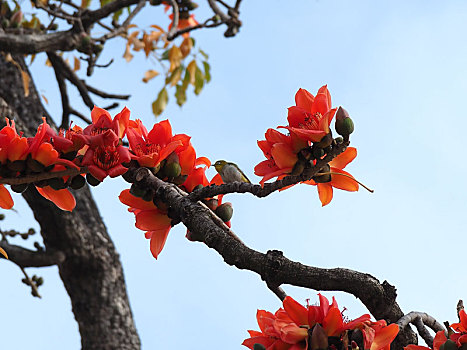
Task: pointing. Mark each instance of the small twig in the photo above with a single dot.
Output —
(105, 94)
(277, 290)
(121, 29)
(112, 106)
(460, 306)
(35, 291)
(104, 65)
(80, 116)
(173, 29)
(205, 24)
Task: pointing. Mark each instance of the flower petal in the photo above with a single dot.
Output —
(296, 311)
(384, 337)
(61, 198)
(343, 182)
(6, 202)
(158, 239)
(152, 220)
(304, 99)
(283, 155)
(344, 158)
(128, 199)
(325, 193)
(333, 323)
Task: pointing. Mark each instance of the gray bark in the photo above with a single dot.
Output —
(91, 271)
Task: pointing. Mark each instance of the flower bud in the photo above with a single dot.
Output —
(323, 178)
(317, 152)
(212, 203)
(57, 183)
(258, 346)
(224, 211)
(17, 165)
(344, 125)
(319, 339)
(325, 141)
(179, 179)
(16, 19)
(448, 345)
(298, 168)
(172, 169)
(92, 180)
(20, 188)
(39, 281)
(77, 182)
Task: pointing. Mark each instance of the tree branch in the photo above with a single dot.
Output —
(420, 320)
(273, 267)
(29, 258)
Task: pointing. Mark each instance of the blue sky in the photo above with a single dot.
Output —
(399, 68)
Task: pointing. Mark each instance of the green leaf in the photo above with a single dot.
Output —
(165, 55)
(117, 15)
(192, 41)
(199, 80)
(205, 55)
(160, 103)
(105, 2)
(180, 95)
(174, 77)
(186, 79)
(207, 71)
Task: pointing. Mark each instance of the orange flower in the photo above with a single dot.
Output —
(151, 148)
(291, 327)
(311, 116)
(105, 154)
(184, 23)
(342, 182)
(149, 218)
(281, 153)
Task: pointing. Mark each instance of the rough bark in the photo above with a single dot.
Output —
(91, 271)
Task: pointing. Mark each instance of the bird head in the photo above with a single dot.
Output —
(219, 165)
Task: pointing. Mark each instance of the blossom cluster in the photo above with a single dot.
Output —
(309, 139)
(456, 336)
(322, 326)
(97, 151)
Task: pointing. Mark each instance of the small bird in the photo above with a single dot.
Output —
(230, 172)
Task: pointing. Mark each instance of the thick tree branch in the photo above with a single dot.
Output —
(34, 43)
(420, 320)
(29, 258)
(273, 267)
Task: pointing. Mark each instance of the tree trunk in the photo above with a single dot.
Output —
(91, 272)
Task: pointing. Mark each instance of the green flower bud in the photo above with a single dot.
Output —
(344, 125)
(212, 203)
(191, 6)
(92, 180)
(5, 23)
(317, 152)
(224, 211)
(2, 216)
(172, 169)
(24, 236)
(179, 179)
(54, 26)
(16, 19)
(77, 182)
(339, 140)
(31, 231)
(20, 188)
(39, 281)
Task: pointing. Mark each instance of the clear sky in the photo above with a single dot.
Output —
(398, 67)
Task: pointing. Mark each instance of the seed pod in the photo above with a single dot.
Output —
(317, 152)
(319, 339)
(77, 182)
(20, 188)
(224, 211)
(179, 179)
(448, 345)
(92, 180)
(212, 203)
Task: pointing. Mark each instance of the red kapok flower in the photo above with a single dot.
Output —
(184, 23)
(149, 218)
(151, 148)
(311, 116)
(343, 182)
(105, 154)
(281, 153)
